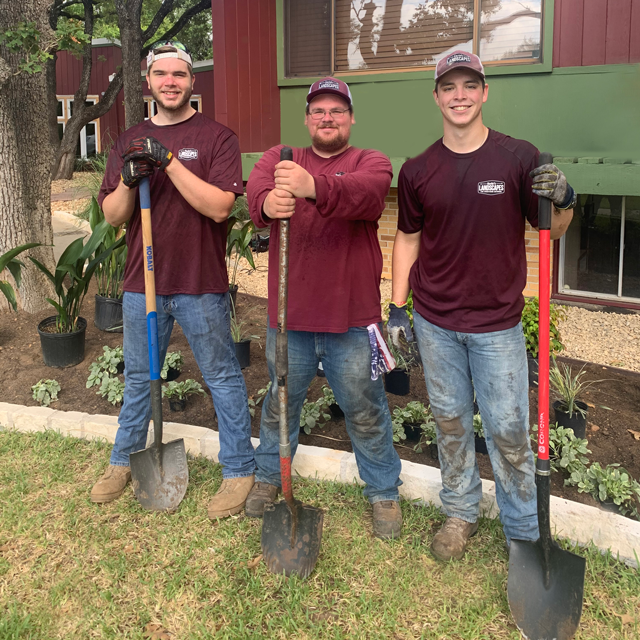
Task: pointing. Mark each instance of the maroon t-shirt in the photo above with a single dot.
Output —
(471, 209)
(188, 248)
(335, 262)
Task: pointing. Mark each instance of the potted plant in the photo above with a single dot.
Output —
(113, 390)
(9, 261)
(313, 414)
(415, 422)
(570, 412)
(173, 363)
(612, 487)
(530, 328)
(62, 335)
(330, 402)
(110, 363)
(45, 391)
(478, 432)
(397, 381)
(109, 274)
(178, 392)
(241, 339)
(240, 229)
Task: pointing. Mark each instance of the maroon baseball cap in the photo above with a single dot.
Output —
(459, 60)
(329, 85)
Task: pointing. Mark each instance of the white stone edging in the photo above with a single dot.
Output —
(79, 223)
(578, 522)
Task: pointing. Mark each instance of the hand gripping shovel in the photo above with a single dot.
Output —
(291, 531)
(160, 474)
(545, 584)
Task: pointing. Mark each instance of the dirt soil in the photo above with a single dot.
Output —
(21, 366)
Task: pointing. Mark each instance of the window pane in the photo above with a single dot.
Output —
(91, 139)
(146, 109)
(510, 30)
(195, 104)
(388, 34)
(60, 130)
(308, 37)
(592, 245)
(631, 264)
(59, 111)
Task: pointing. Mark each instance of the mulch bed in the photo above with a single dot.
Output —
(21, 366)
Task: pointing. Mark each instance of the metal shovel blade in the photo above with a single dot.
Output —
(291, 540)
(545, 607)
(160, 475)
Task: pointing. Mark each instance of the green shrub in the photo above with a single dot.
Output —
(105, 366)
(414, 413)
(45, 391)
(566, 452)
(530, 326)
(112, 389)
(611, 483)
(181, 390)
(173, 360)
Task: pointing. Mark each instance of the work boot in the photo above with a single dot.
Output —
(262, 493)
(111, 485)
(450, 542)
(387, 519)
(230, 497)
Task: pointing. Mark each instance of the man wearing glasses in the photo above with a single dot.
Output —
(334, 194)
(195, 171)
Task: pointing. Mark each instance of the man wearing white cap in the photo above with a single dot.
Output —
(195, 173)
(334, 194)
(460, 248)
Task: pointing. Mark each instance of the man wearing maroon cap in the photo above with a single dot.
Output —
(334, 194)
(460, 248)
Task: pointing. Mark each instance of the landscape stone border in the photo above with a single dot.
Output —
(577, 522)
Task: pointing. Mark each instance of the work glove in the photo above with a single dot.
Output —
(550, 182)
(134, 170)
(399, 323)
(149, 149)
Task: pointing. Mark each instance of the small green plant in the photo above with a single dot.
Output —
(478, 429)
(240, 229)
(112, 389)
(173, 360)
(530, 326)
(9, 261)
(238, 331)
(328, 396)
(569, 387)
(314, 414)
(415, 413)
(45, 391)
(611, 483)
(254, 401)
(405, 360)
(566, 452)
(105, 366)
(181, 390)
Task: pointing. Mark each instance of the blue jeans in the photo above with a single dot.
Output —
(495, 364)
(205, 322)
(346, 359)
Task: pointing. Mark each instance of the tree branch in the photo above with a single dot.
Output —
(184, 18)
(163, 11)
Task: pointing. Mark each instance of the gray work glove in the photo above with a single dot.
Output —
(550, 182)
(399, 323)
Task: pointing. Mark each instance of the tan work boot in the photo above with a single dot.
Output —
(450, 542)
(112, 484)
(387, 519)
(262, 493)
(230, 497)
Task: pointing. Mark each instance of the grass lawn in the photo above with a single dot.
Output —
(71, 569)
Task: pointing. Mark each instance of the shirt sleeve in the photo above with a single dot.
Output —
(357, 195)
(260, 183)
(226, 166)
(528, 199)
(410, 210)
(111, 174)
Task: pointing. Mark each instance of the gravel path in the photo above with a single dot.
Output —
(605, 338)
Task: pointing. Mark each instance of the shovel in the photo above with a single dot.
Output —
(546, 584)
(159, 473)
(291, 531)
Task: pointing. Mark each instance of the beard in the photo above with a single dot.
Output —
(328, 146)
(157, 96)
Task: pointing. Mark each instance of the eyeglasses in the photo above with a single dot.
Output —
(336, 114)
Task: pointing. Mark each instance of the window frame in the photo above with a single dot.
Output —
(66, 101)
(411, 73)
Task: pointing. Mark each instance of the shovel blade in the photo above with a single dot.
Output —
(290, 551)
(160, 475)
(545, 610)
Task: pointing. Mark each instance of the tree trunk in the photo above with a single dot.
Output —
(25, 149)
(131, 41)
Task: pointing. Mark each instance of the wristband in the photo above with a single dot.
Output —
(570, 201)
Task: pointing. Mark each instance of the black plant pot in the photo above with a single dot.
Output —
(120, 368)
(172, 374)
(175, 404)
(233, 292)
(576, 421)
(412, 431)
(336, 411)
(609, 505)
(532, 364)
(397, 382)
(62, 349)
(108, 314)
(320, 371)
(433, 450)
(481, 445)
(243, 353)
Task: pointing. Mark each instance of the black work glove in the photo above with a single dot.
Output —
(399, 323)
(134, 170)
(550, 182)
(149, 149)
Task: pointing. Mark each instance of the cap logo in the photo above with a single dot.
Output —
(491, 187)
(329, 84)
(458, 57)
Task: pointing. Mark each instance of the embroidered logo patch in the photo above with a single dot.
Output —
(188, 154)
(329, 84)
(491, 187)
(458, 57)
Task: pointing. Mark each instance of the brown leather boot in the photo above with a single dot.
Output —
(387, 519)
(111, 485)
(262, 493)
(450, 542)
(230, 497)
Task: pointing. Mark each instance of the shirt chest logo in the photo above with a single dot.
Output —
(188, 154)
(491, 188)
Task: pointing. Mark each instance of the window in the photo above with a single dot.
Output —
(403, 34)
(89, 139)
(599, 255)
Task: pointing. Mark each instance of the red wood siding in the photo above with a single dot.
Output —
(247, 97)
(592, 32)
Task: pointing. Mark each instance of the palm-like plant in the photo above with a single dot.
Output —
(240, 230)
(9, 261)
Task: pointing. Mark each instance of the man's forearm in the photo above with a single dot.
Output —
(560, 221)
(405, 252)
(205, 198)
(118, 206)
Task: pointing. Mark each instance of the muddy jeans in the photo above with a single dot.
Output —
(495, 364)
(346, 359)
